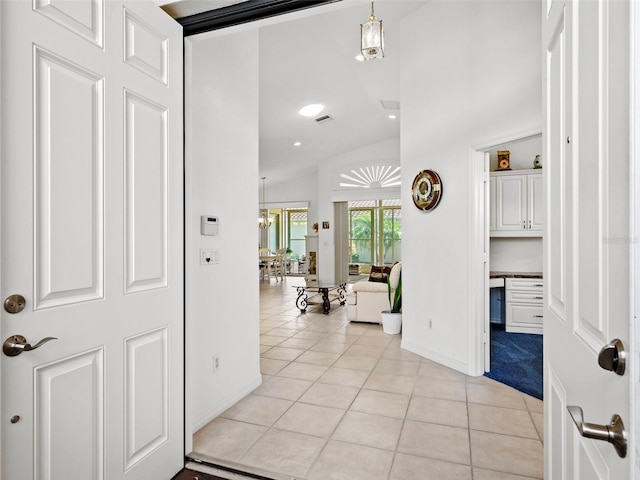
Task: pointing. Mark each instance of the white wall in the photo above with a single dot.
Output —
(471, 75)
(518, 255)
(222, 301)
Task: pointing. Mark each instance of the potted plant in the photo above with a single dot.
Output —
(392, 319)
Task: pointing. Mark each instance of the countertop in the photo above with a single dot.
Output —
(515, 274)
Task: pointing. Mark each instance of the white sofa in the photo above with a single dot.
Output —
(367, 299)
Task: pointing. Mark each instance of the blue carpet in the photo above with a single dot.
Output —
(516, 360)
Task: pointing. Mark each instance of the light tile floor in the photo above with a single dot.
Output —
(343, 401)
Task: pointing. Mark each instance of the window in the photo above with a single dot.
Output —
(288, 229)
(296, 230)
(361, 237)
(391, 221)
(274, 230)
(375, 228)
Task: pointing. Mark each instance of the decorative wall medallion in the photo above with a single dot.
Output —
(426, 190)
(374, 176)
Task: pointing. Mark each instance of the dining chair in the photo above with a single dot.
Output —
(280, 263)
(265, 260)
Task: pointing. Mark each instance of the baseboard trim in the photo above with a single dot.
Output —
(453, 363)
(226, 403)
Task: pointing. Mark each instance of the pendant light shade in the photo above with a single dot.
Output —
(372, 37)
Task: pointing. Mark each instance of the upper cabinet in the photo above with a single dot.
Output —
(517, 208)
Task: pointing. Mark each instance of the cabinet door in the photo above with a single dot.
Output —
(511, 196)
(535, 194)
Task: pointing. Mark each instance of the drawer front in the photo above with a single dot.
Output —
(524, 296)
(524, 315)
(524, 283)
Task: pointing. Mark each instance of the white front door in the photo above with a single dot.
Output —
(587, 262)
(91, 215)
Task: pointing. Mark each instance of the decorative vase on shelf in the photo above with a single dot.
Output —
(537, 162)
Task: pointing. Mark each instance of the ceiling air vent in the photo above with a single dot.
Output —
(390, 104)
(324, 118)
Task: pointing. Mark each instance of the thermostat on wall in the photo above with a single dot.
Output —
(208, 225)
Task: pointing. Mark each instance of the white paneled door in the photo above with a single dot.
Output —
(588, 236)
(91, 215)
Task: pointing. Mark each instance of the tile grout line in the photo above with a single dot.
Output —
(340, 329)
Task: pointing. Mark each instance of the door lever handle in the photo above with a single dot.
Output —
(613, 433)
(17, 344)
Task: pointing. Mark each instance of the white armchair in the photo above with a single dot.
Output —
(367, 299)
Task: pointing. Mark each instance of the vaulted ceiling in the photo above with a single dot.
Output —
(311, 59)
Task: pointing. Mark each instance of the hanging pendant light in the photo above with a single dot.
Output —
(264, 221)
(372, 37)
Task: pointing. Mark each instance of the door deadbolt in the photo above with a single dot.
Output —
(15, 303)
(613, 357)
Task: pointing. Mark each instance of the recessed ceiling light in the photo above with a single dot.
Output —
(360, 58)
(297, 144)
(311, 109)
(392, 117)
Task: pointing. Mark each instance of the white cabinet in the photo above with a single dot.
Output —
(516, 204)
(523, 305)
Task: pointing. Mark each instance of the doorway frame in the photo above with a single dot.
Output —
(479, 264)
(634, 223)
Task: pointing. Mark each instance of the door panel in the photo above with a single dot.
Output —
(589, 185)
(69, 139)
(556, 424)
(70, 402)
(82, 18)
(146, 48)
(557, 170)
(146, 193)
(146, 403)
(589, 463)
(92, 197)
(587, 257)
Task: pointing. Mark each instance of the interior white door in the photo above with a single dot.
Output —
(587, 262)
(92, 239)
(489, 209)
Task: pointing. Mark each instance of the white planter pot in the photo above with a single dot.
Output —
(391, 322)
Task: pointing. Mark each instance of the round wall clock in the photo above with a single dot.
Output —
(426, 190)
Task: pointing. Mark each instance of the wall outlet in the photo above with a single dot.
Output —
(216, 363)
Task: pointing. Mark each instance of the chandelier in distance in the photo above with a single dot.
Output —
(264, 221)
